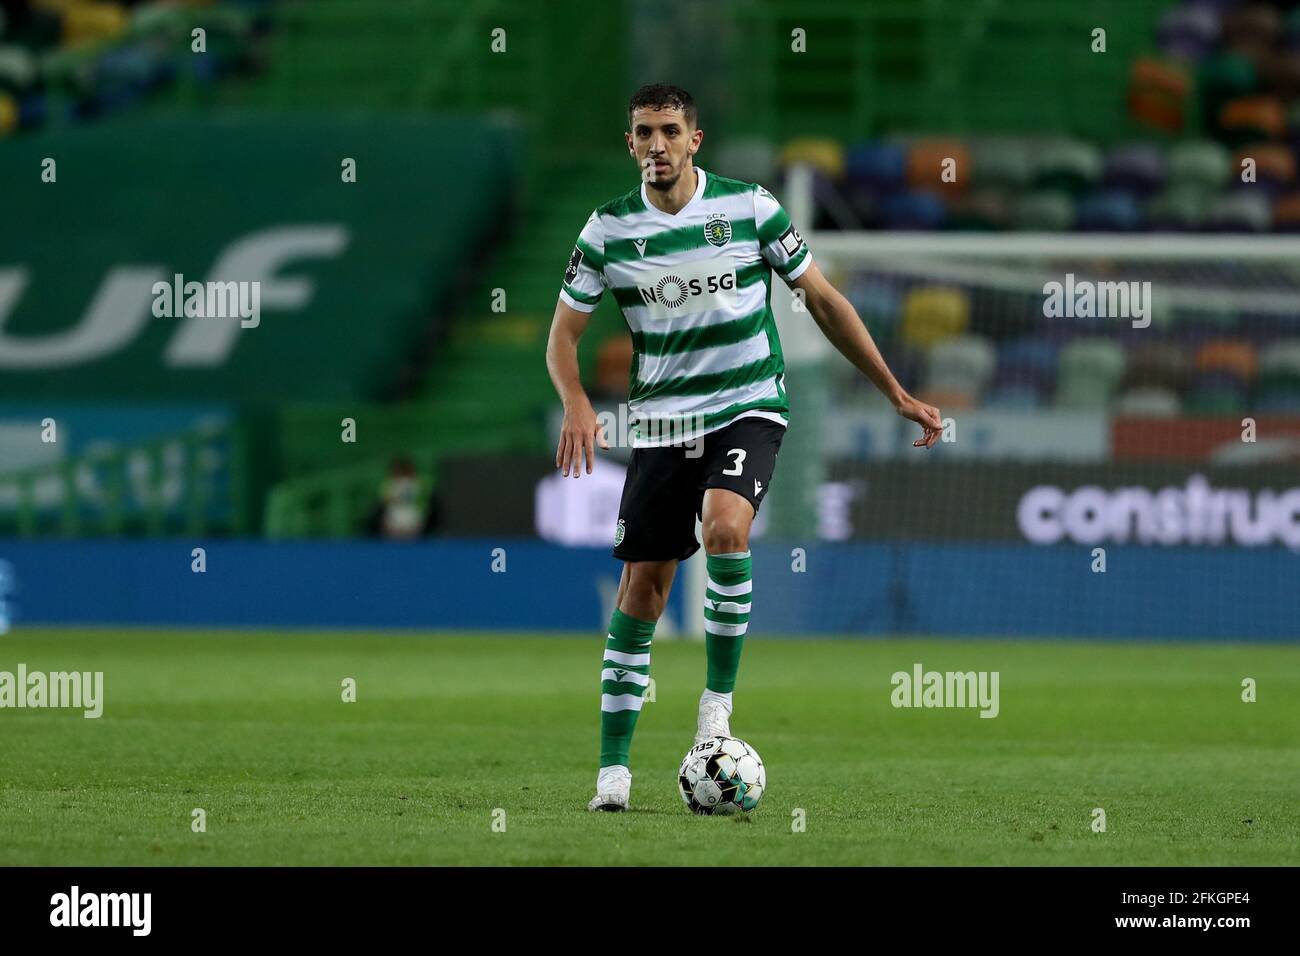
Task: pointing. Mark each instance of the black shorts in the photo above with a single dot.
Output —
(664, 490)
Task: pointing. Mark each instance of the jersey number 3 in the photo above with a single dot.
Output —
(738, 462)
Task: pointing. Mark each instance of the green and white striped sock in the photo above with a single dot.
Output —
(726, 617)
(624, 675)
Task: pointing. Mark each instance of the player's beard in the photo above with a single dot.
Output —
(663, 184)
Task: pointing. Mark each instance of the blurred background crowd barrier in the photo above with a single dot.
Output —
(404, 180)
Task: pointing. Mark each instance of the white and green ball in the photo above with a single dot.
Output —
(722, 775)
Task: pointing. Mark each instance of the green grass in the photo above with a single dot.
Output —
(448, 728)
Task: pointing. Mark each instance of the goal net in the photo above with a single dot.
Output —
(1122, 430)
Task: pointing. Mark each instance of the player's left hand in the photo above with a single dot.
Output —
(927, 416)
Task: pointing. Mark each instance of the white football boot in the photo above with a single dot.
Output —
(613, 784)
(715, 720)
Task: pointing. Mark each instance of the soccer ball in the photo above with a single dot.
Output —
(721, 775)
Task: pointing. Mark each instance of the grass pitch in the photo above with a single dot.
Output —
(453, 733)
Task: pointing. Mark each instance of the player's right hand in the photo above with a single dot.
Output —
(578, 437)
(927, 416)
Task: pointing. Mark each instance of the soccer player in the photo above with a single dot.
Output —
(689, 257)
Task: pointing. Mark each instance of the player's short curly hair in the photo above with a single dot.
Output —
(660, 95)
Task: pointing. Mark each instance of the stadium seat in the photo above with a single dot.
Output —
(963, 363)
(1188, 32)
(18, 70)
(1178, 209)
(1252, 118)
(824, 155)
(1136, 167)
(934, 313)
(1000, 162)
(925, 164)
(1234, 358)
(1044, 212)
(90, 23)
(1091, 369)
(1109, 211)
(1279, 363)
(1070, 166)
(1199, 162)
(1241, 212)
(1162, 365)
(1026, 364)
(876, 166)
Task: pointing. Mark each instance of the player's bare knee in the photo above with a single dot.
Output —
(726, 535)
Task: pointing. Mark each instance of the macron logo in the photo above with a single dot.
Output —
(640, 247)
(103, 909)
(758, 487)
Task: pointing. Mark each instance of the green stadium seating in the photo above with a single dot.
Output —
(1090, 372)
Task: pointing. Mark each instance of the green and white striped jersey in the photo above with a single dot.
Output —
(695, 289)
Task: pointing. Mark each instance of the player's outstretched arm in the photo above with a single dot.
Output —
(840, 323)
(581, 430)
